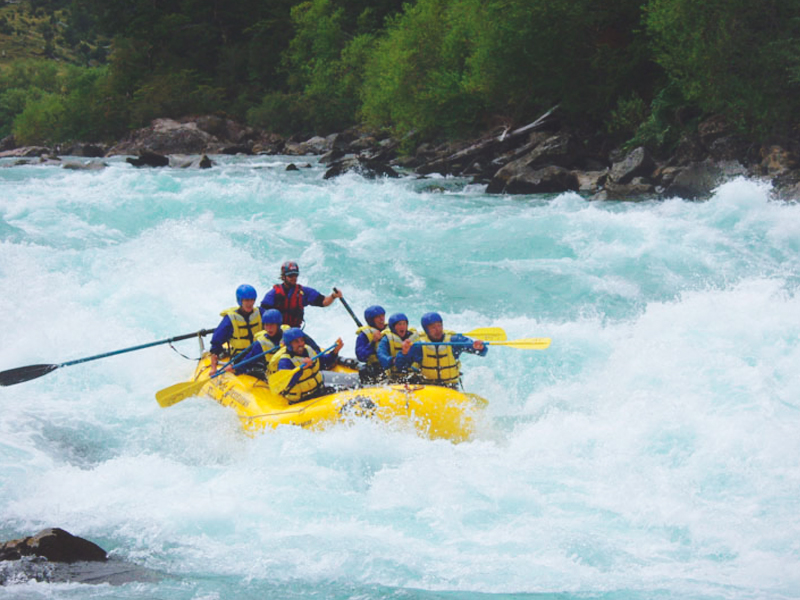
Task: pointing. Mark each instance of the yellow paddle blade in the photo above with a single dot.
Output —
(525, 343)
(488, 334)
(180, 391)
(280, 379)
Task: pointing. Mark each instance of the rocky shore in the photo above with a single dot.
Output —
(542, 157)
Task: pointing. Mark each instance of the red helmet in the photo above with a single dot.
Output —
(289, 268)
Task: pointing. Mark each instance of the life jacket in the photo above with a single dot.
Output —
(267, 344)
(291, 306)
(439, 364)
(310, 379)
(245, 328)
(369, 330)
(396, 345)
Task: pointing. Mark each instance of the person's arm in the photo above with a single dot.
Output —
(384, 353)
(269, 300)
(328, 360)
(222, 334)
(404, 361)
(475, 347)
(328, 300)
(364, 347)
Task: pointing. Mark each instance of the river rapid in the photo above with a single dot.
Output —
(653, 451)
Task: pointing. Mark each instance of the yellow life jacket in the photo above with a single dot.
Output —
(310, 379)
(439, 364)
(395, 346)
(244, 330)
(369, 331)
(275, 357)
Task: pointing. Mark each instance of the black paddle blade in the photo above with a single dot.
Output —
(21, 374)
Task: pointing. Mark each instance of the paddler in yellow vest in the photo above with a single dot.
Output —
(439, 365)
(238, 327)
(267, 340)
(397, 339)
(307, 382)
(367, 340)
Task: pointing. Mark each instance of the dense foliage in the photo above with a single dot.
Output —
(438, 68)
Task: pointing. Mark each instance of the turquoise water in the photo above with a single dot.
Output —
(651, 452)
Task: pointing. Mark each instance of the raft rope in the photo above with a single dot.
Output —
(202, 350)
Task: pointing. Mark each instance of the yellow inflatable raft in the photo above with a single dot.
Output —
(433, 411)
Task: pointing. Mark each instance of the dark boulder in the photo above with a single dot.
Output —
(332, 156)
(314, 145)
(54, 544)
(292, 167)
(561, 150)
(777, 161)
(365, 168)
(246, 149)
(699, 179)
(83, 150)
(590, 182)
(92, 165)
(268, 143)
(638, 163)
(148, 159)
(526, 180)
(638, 188)
(166, 136)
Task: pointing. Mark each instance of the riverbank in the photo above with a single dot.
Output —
(542, 157)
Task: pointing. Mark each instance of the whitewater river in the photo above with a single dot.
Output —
(653, 451)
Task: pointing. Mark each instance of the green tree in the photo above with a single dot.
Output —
(730, 57)
(416, 78)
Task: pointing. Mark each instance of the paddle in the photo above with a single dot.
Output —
(186, 389)
(521, 344)
(20, 374)
(350, 310)
(488, 334)
(278, 381)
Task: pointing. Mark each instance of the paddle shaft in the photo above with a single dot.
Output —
(237, 365)
(20, 374)
(350, 310)
(523, 344)
(140, 347)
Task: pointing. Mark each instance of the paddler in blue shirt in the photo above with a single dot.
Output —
(392, 344)
(307, 382)
(291, 298)
(439, 365)
(238, 327)
(367, 340)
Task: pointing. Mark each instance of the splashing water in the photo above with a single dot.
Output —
(652, 451)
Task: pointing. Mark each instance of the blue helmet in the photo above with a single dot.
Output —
(395, 319)
(245, 292)
(292, 334)
(429, 319)
(273, 315)
(372, 312)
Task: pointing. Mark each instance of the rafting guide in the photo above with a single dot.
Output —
(291, 298)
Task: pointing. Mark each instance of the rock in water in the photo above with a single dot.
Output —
(54, 544)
